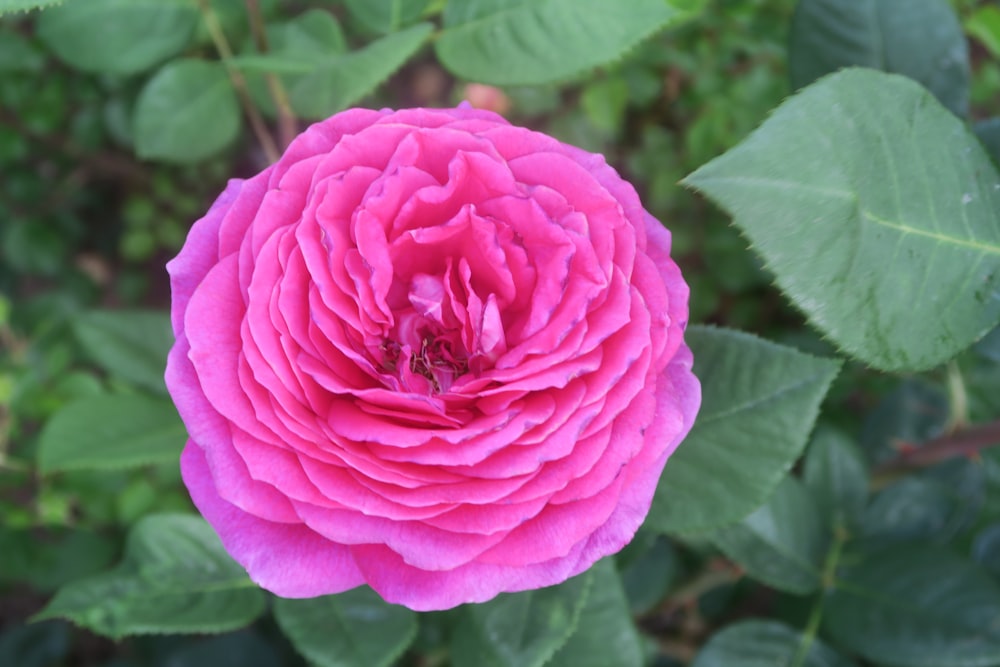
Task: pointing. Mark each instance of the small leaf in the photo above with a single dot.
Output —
(605, 634)
(782, 543)
(920, 39)
(111, 431)
(759, 403)
(519, 42)
(351, 629)
(385, 16)
(890, 241)
(175, 578)
(837, 475)
(984, 25)
(187, 112)
(117, 36)
(916, 605)
(766, 644)
(130, 344)
(648, 566)
(986, 548)
(520, 629)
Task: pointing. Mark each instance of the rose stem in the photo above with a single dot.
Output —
(966, 442)
(239, 83)
(287, 128)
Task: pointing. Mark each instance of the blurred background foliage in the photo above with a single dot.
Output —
(105, 162)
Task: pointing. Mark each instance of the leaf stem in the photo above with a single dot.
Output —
(239, 83)
(287, 123)
(966, 442)
(828, 579)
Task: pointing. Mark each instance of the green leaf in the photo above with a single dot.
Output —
(920, 39)
(520, 629)
(341, 81)
(49, 558)
(385, 16)
(605, 634)
(759, 403)
(782, 543)
(877, 211)
(984, 25)
(187, 112)
(111, 431)
(132, 345)
(913, 412)
(648, 566)
(988, 133)
(756, 643)
(524, 42)
(916, 606)
(26, 5)
(986, 548)
(351, 629)
(118, 36)
(837, 476)
(18, 53)
(35, 645)
(175, 578)
(238, 649)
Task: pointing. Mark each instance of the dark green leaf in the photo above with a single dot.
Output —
(385, 16)
(35, 645)
(238, 649)
(917, 606)
(132, 345)
(187, 112)
(912, 413)
(890, 241)
(17, 53)
(111, 431)
(648, 566)
(520, 629)
(988, 132)
(766, 644)
(836, 474)
(175, 578)
(356, 628)
(514, 42)
(920, 39)
(52, 557)
(118, 36)
(782, 543)
(759, 404)
(605, 634)
(986, 548)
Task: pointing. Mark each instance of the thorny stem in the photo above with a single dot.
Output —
(967, 442)
(239, 83)
(287, 127)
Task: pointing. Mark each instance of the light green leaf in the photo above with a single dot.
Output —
(521, 629)
(341, 81)
(187, 112)
(385, 16)
(920, 39)
(118, 36)
(766, 644)
(111, 431)
(759, 403)
(605, 634)
(836, 474)
(351, 629)
(916, 606)
(984, 25)
(877, 211)
(175, 578)
(524, 42)
(132, 345)
(782, 543)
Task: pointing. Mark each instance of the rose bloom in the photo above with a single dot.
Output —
(430, 352)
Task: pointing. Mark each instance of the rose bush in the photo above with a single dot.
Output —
(431, 352)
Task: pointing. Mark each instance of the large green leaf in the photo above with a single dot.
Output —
(356, 628)
(605, 634)
(520, 629)
(111, 431)
(187, 112)
(132, 345)
(759, 403)
(521, 42)
(877, 211)
(921, 39)
(766, 644)
(175, 578)
(782, 543)
(118, 36)
(837, 476)
(917, 606)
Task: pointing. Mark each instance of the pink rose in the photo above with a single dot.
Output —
(429, 352)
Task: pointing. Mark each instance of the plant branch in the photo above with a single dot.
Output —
(239, 83)
(967, 442)
(287, 124)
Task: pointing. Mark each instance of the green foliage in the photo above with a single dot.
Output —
(353, 629)
(386, 16)
(7, 6)
(893, 252)
(759, 403)
(175, 577)
(128, 344)
(766, 644)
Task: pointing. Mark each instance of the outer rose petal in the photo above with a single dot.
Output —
(430, 352)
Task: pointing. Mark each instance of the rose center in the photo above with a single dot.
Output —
(430, 359)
